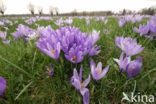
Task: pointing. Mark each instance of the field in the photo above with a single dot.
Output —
(22, 63)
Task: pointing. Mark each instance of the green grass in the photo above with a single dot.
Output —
(21, 65)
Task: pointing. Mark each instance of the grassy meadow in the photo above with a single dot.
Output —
(22, 66)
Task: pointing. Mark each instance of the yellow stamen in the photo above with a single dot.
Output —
(81, 84)
(53, 51)
(98, 71)
(48, 70)
(74, 58)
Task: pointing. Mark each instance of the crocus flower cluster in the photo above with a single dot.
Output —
(97, 74)
(7, 22)
(24, 32)
(71, 41)
(128, 18)
(2, 86)
(129, 48)
(148, 30)
(60, 21)
(31, 20)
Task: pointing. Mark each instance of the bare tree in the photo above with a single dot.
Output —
(74, 12)
(2, 7)
(51, 10)
(40, 10)
(31, 8)
(56, 11)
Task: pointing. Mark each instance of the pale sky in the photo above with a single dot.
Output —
(20, 6)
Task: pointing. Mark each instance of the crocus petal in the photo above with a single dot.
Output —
(76, 74)
(76, 83)
(104, 72)
(2, 85)
(85, 83)
(85, 93)
(134, 67)
(99, 66)
(92, 65)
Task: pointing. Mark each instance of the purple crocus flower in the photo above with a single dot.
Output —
(97, 72)
(6, 42)
(2, 86)
(151, 36)
(94, 37)
(123, 62)
(105, 22)
(94, 50)
(134, 67)
(24, 30)
(49, 70)
(138, 18)
(59, 22)
(121, 22)
(50, 46)
(143, 29)
(105, 31)
(3, 35)
(1, 23)
(75, 54)
(87, 21)
(97, 18)
(76, 81)
(152, 25)
(128, 17)
(128, 45)
(69, 21)
(16, 34)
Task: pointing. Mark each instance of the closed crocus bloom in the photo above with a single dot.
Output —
(128, 46)
(123, 62)
(134, 67)
(76, 81)
(87, 21)
(2, 86)
(97, 72)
